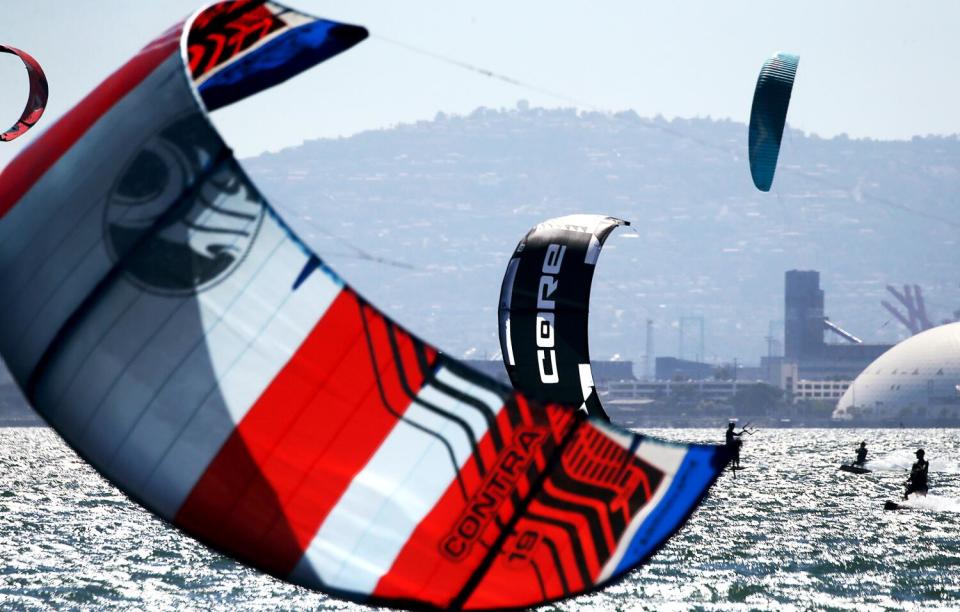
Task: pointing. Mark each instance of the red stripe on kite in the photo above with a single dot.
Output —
(422, 568)
(295, 453)
(453, 539)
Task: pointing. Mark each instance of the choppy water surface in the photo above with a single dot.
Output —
(789, 532)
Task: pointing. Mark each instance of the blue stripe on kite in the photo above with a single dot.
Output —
(701, 466)
(276, 61)
(312, 264)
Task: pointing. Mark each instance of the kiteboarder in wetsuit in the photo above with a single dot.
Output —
(917, 483)
(861, 455)
(733, 443)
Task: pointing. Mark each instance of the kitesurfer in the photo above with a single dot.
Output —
(861, 455)
(733, 443)
(917, 482)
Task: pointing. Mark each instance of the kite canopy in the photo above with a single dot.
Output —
(173, 329)
(36, 100)
(768, 116)
(544, 310)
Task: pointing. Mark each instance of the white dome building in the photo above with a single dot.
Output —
(916, 381)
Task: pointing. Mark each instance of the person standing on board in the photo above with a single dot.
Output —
(733, 443)
(861, 455)
(917, 483)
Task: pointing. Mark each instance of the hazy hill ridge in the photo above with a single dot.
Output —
(453, 196)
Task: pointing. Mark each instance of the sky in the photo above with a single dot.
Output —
(874, 69)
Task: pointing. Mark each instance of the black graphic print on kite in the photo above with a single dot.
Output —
(172, 220)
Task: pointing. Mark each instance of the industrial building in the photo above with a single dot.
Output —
(810, 368)
(805, 325)
(706, 390)
(915, 382)
(818, 390)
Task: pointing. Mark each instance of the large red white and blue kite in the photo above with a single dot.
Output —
(167, 322)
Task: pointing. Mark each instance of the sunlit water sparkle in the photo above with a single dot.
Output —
(789, 532)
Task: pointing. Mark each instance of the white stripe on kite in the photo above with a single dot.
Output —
(360, 539)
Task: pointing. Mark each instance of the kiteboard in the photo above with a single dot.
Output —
(737, 468)
(853, 469)
(889, 505)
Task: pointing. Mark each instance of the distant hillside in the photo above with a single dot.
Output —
(453, 196)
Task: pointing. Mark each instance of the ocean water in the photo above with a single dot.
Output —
(788, 532)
